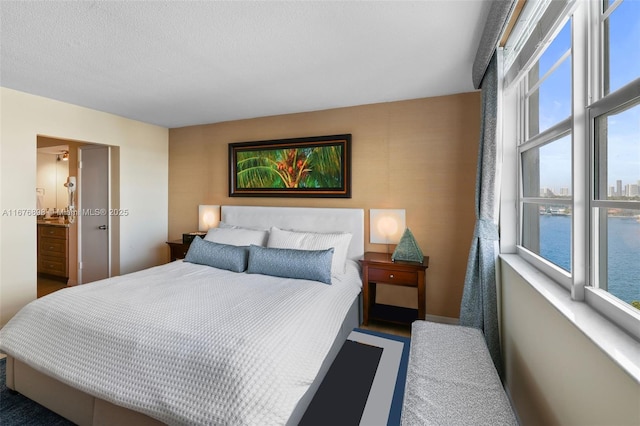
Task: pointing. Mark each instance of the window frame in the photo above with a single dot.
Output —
(602, 300)
(588, 103)
(549, 135)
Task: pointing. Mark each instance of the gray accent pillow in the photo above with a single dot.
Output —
(312, 265)
(221, 256)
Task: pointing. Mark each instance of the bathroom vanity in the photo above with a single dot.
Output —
(53, 248)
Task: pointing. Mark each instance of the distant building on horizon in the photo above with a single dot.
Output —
(546, 192)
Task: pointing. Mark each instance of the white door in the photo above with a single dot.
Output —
(94, 218)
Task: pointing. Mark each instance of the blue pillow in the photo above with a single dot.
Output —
(222, 256)
(312, 265)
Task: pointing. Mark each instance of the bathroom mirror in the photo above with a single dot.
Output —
(52, 171)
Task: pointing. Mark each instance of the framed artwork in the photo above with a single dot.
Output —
(318, 166)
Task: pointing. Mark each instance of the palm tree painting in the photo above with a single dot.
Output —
(315, 167)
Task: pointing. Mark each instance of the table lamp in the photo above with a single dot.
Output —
(208, 217)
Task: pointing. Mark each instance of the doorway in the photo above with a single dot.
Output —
(48, 284)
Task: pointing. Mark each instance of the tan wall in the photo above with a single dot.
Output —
(419, 155)
(555, 374)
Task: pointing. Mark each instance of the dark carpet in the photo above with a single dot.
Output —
(16, 409)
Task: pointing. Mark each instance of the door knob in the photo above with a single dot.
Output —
(103, 227)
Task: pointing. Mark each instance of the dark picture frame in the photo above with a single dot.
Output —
(318, 166)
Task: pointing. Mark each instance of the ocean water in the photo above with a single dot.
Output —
(623, 251)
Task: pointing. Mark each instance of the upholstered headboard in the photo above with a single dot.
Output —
(302, 219)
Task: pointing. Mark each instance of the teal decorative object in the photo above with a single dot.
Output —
(407, 249)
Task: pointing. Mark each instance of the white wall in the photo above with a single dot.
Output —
(555, 374)
(143, 153)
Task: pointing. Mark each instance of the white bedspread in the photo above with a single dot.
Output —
(186, 343)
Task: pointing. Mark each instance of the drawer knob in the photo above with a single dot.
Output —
(390, 275)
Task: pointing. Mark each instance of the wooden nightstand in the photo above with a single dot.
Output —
(378, 268)
(178, 249)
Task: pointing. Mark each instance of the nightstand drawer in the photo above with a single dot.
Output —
(392, 277)
(379, 268)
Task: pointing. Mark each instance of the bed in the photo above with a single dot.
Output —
(191, 343)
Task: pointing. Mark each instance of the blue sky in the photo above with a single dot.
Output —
(555, 96)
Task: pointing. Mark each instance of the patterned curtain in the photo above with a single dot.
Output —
(479, 302)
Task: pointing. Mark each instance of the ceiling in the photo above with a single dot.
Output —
(177, 63)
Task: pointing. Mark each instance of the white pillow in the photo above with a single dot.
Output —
(228, 226)
(279, 238)
(237, 236)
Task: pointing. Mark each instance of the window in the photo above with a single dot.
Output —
(545, 154)
(620, 43)
(549, 85)
(546, 171)
(615, 138)
(578, 103)
(616, 201)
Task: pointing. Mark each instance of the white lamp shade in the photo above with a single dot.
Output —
(386, 225)
(208, 217)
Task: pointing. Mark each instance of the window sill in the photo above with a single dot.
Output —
(623, 349)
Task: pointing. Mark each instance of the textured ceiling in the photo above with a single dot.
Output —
(179, 63)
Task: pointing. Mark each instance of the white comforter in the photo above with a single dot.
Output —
(186, 343)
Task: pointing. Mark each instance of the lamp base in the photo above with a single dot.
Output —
(407, 249)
